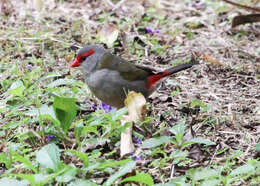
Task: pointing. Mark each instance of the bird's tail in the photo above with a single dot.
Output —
(153, 79)
(179, 68)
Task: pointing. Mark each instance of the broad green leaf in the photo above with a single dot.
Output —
(257, 147)
(154, 142)
(178, 130)
(68, 175)
(6, 160)
(49, 157)
(121, 172)
(117, 114)
(45, 178)
(40, 178)
(28, 177)
(24, 160)
(178, 181)
(17, 88)
(199, 140)
(87, 129)
(178, 153)
(47, 112)
(140, 178)
(202, 141)
(13, 182)
(113, 163)
(80, 182)
(60, 82)
(197, 102)
(245, 169)
(108, 34)
(211, 182)
(82, 156)
(206, 173)
(65, 110)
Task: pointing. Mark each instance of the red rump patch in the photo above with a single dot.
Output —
(156, 77)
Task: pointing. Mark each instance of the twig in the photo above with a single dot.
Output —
(118, 5)
(242, 6)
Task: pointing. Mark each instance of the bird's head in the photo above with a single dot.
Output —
(88, 53)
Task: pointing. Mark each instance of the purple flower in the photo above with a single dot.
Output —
(137, 140)
(102, 106)
(49, 138)
(197, 5)
(150, 30)
(136, 157)
(29, 66)
(105, 107)
(93, 107)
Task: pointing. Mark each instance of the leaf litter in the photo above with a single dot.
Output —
(226, 81)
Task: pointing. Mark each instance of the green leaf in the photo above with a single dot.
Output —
(68, 174)
(65, 110)
(154, 142)
(6, 160)
(117, 114)
(80, 182)
(24, 160)
(202, 141)
(140, 178)
(49, 157)
(47, 112)
(177, 181)
(178, 130)
(13, 182)
(28, 177)
(43, 179)
(60, 82)
(122, 171)
(257, 147)
(206, 173)
(17, 88)
(245, 169)
(82, 156)
(197, 102)
(199, 140)
(113, 163)
(211, 182)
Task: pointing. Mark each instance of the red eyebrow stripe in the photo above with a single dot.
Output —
(86, 54)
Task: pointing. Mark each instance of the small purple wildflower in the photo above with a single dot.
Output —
(105, 107)
(102, 106)
(136, 157)
(150, 30)
(49, 138)
(199, 5)
(29, 66)
(137, 140)
(94, 107)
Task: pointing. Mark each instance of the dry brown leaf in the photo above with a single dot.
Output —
(210, 59)
(108, 34)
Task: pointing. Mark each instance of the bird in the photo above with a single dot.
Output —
(110, 77)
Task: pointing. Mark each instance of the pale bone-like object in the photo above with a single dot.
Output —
(135, 104)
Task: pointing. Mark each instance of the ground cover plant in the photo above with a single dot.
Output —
(54, 132)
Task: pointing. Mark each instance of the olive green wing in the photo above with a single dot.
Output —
(126, 69)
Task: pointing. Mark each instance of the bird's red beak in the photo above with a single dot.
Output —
(77, 62)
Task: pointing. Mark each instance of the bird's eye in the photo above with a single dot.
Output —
(83, 58)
